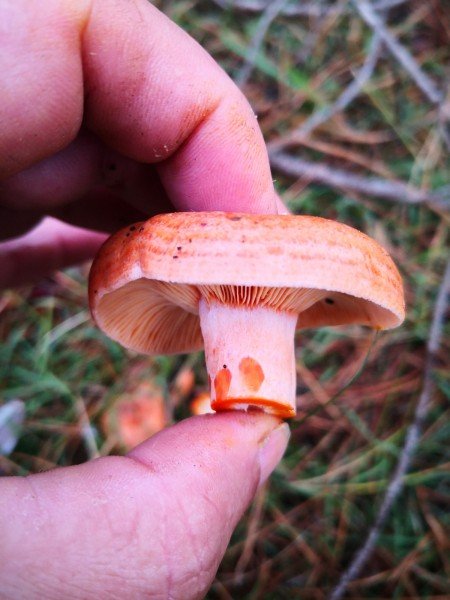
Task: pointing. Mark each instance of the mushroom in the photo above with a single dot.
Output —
(240, 285)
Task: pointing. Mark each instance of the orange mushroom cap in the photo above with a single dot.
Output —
(147, 279)
(239, 285)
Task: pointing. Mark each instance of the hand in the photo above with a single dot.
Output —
(153, 524)
(110, 113)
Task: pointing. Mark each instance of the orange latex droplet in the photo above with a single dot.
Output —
(222, 383)
(252, 373)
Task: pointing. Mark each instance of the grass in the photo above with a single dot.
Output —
(313, 515)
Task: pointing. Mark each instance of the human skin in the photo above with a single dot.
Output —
(110, 113)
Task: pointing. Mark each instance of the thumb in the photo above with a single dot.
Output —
(155, 523)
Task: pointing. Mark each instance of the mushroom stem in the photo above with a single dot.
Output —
(249, 357)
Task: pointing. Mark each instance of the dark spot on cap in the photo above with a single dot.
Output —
(224, 366)
(329, 300)
(190, 240)
(175, 256)
(127, 234)
(178, 247)
(141, 229)
(203, 224)
(236, 218)
(133, 227)
(95, 291)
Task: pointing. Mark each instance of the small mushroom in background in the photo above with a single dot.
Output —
(240, 285)
(136, 415)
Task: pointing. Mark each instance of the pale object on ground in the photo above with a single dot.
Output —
(136, 416)
(12, 416)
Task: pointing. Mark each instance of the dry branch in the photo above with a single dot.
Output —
(397, 191)
(399, 52)
(269, 15)
(298, 9)
(349, 93)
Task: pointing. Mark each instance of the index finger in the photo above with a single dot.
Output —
(143, 86)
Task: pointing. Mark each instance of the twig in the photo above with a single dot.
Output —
(254, 524)
(267, 18)
(374, 21)
(411, 442)
(350, 92)
(398, 191)
(388, 4)
(86, 430)
(298, 9)
(310, 9)
(323, 15)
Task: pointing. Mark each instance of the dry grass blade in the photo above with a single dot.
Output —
(412, 439)
(310, 9)
(270, 14)
(86, 430)
(252, 534)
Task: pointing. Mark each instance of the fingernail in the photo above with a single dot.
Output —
(272, 449)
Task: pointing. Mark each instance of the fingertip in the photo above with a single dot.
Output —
(227, 432)
(237, 450)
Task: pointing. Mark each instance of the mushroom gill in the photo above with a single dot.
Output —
(279, 298)
(152, 317)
